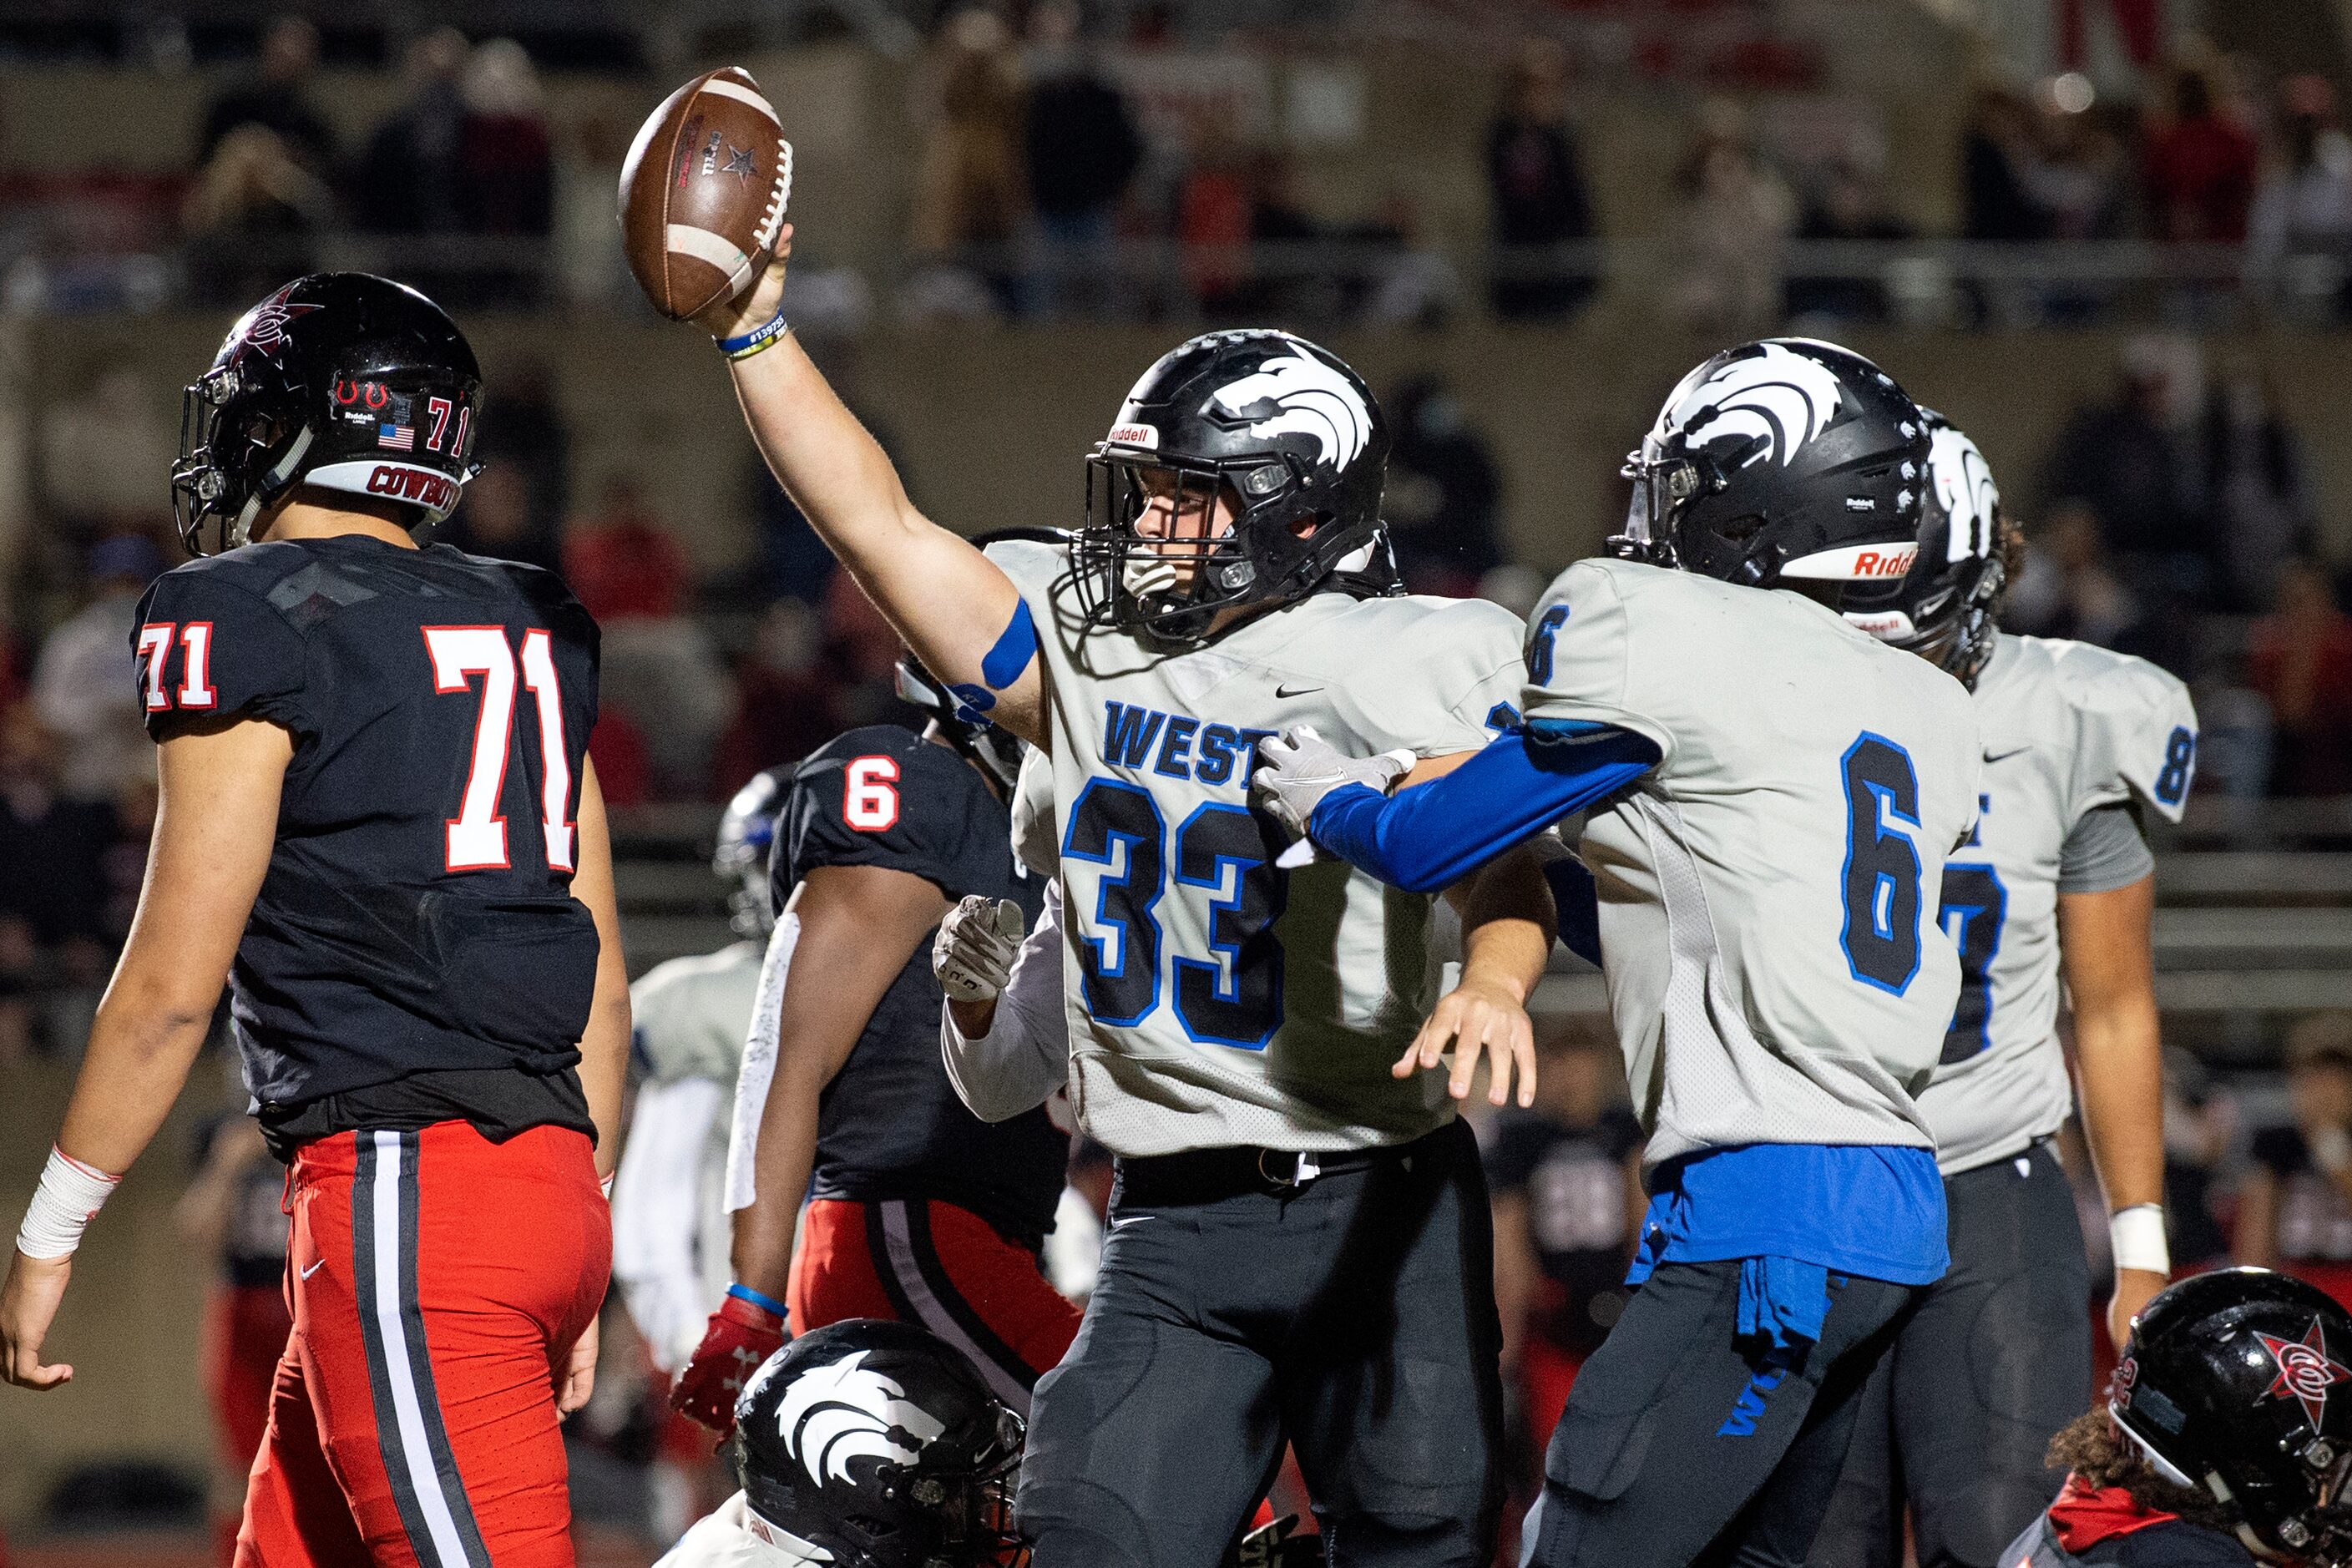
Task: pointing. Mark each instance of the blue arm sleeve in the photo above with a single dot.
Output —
(1433, 834)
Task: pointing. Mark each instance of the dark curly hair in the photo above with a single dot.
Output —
(2089, 1447)
(2009, 546)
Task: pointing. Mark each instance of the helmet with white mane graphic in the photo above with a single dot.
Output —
(868, 1444)
(1293, 441)
(1943, 608)
(1786, 458)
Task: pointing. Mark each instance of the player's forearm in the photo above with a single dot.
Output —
(945, 599)
(2105, 950)
(137, 1061)
(762, 1241)
(1430, 835)
(604, 1043)
(1507, 923)
(2119, 1053)
(826, 461)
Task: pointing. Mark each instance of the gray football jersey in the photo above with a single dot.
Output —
(688, 1015)
(1212, 999)
(2067, 728)
(1774, 966)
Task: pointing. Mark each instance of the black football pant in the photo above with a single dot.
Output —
(1353, 1315)
(1681, 1445)
(1994, 1360)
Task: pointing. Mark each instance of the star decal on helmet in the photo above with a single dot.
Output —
(264, 326)
(2305, 1369)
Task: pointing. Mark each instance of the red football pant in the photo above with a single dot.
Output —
(438, 1282)
(939, 1265)
(245, 1335)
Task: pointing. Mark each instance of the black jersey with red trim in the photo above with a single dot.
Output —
(889, 1126)
(415, 926)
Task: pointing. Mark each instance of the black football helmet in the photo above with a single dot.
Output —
(1783, 458)
(1943, 608)
(1280, 428)
(878, 1444)
(2228, 1385)
(747, 832)
(341, 380)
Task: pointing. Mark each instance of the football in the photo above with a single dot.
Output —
(703, 192)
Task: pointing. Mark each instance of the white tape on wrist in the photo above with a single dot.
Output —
(2137, 1237)
(69, 1198)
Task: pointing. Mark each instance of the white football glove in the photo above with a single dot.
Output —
(1298, 767)
(973, 955)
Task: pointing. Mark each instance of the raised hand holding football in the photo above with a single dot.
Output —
(703, 193)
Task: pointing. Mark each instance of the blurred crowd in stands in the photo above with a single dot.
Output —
(1064, 168)
(467, 154)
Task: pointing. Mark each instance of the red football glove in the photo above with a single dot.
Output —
(741, 1336)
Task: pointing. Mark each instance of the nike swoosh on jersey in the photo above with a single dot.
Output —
(315, 1267)
(2005, 752)
(1281, 690)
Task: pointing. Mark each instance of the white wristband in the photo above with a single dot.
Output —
(69, 1198)
(2136, 1235)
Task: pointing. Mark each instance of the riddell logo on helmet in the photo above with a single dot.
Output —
(422, 486)
(1854, 563)
(1133, 436)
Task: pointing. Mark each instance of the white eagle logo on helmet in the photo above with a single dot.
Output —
(1310, 398)
(1779, 395)
(1962, 481)
(832, 1415)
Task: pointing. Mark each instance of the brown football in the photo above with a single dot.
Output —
(703, 192)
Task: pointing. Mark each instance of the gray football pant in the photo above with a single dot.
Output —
(1681, 1445)
(1354, 1317)
(1994, 1360)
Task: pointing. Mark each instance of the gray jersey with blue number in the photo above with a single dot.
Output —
(1213, 1000)
(1773, 962)
(2067, 728)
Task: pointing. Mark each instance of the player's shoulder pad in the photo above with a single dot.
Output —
(879, 795)
(1031, 564)
(223, 636)
(250, 577)
(544, 591)
(2136, 728)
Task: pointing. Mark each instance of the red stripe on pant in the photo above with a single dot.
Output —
(938, 1266)
(438, 1281)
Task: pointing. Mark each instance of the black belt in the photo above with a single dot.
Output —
(1204, 1176)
